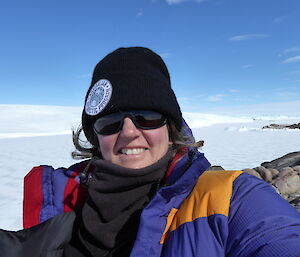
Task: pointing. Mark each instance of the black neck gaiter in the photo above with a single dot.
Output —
(108, 222)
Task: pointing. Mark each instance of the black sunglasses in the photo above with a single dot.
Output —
(113, 123)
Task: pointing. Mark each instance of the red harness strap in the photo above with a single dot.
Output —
(33, 197)
(176, 158)
(75, 194)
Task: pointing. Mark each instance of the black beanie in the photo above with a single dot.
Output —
(133, 78)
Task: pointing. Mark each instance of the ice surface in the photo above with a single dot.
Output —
(239, 146)
(35, 135)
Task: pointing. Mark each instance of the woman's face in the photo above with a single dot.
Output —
(135, 148)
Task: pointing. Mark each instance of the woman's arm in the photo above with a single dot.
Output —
(261, 223)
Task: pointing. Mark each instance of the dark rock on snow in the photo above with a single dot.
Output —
(288, 160)
(215, 167)
(282, 126)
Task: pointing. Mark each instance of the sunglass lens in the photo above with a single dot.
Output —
(109, 124)
(110, 128)
(149, 120)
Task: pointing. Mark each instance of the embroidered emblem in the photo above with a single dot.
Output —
(98, 97)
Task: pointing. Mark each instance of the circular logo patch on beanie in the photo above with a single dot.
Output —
(98, 97)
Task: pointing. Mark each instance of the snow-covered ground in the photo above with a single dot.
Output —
(35, 135)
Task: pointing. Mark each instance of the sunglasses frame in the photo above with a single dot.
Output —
(128, 114)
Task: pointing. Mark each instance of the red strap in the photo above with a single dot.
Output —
(74, 194)
(176, 158)
(33, 197)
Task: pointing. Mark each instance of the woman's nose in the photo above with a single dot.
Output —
(129, 129)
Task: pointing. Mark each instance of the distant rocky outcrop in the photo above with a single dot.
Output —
(283, 174)
(282, 126)
(288, 160)
(215, 167)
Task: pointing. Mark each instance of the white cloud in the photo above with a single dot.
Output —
(246, 66)
(288, 108)
(165, 55)
(183, 99)
(199, 96)
(216, 98)
(175, 1)
(279, 19)
(181, 1)
(292, 59)
(234, 90)
(140, 13)
(247, 37)
(286, 94)
(292, 50)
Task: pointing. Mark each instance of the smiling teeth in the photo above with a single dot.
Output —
(133, 151)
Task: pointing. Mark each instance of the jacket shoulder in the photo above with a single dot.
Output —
(214, 190)
(210, 196)
(49, 192)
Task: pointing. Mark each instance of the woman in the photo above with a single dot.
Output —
(150, 193)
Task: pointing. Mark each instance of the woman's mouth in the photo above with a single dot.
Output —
(129, 151)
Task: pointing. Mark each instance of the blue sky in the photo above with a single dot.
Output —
(220, 53)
